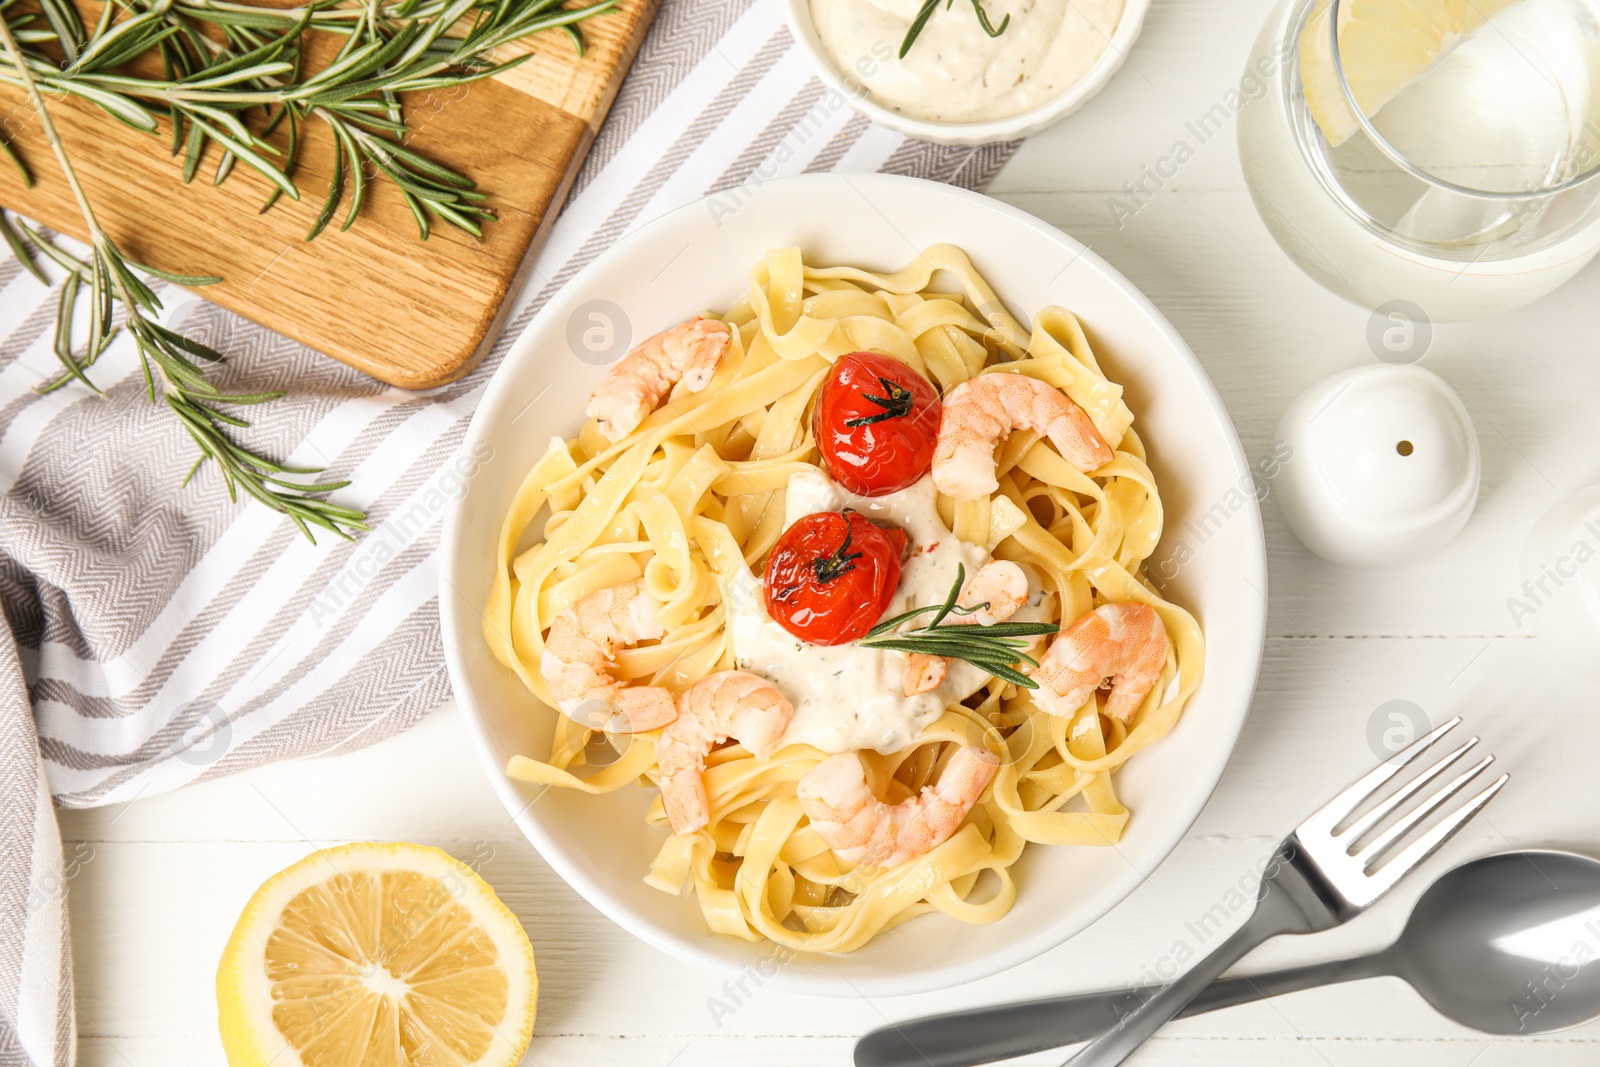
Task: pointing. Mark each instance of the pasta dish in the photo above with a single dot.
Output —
(852, 577)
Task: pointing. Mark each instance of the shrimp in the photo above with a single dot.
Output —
(979, 412)
(577, 661)
(862, 829)
(1123, 643)
(1002, 587)
(634, 387)
(727, 704)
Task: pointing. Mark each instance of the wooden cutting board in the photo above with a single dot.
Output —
(411, 313)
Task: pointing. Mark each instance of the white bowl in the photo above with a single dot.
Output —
(693, 259)
(970, 133)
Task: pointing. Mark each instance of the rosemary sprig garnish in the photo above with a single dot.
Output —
(996, 648)
(925, 12)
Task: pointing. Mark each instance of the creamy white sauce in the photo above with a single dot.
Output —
(955, 72)
(847, 698)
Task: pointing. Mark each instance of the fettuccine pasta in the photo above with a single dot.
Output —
(690, 502)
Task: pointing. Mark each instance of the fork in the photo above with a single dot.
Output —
(1322, 876)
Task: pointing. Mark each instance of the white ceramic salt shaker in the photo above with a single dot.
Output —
(1383, 465)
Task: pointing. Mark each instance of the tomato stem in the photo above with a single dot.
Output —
(840, 562)
(896, 405)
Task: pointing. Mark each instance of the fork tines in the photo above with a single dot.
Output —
(1363, 870)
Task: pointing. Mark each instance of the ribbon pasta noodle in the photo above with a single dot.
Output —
(694, 495)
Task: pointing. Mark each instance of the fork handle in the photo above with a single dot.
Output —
(1006, 1031)
(1274, 914)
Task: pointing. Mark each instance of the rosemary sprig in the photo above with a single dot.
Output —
(996, 648)
(230, 76)
(222, 62)
(925, 13)
(172, 375)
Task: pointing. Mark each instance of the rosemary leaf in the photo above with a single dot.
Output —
(291, 156)
(924, 13)
(70, 264)
(1014, 676)
(262, 398)
(66, 23)
(20, 249)
(417, 212)
(190, 280)
(216, 415)
(983, 20)
(329, 205)
(419, 162)
(16, 161)
(125, 110)
(65, 307)
(358, 175)
(194, 144)
(1001, 630)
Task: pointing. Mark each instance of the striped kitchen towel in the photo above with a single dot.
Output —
(160, 635)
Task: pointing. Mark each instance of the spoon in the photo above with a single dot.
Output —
(1506, 944)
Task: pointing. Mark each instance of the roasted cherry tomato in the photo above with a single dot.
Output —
(877, 420)
(831, 576)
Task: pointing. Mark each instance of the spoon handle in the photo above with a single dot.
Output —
(1002, 1031)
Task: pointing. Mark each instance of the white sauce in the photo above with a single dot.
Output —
(955, 72)
(848, 698)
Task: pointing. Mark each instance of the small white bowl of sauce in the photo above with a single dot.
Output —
(957, 84)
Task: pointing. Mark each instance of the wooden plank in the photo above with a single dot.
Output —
(413, 314)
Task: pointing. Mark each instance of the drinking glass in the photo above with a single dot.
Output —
(1468, 193)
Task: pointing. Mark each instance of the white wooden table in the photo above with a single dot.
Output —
(158, 883)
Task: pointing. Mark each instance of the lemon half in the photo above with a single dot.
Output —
(376, 955)
(1385, 45)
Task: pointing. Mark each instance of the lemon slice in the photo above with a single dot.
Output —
(1385, 45)
(376, 955)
